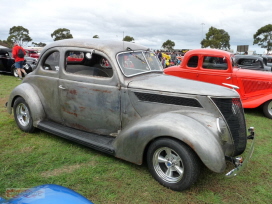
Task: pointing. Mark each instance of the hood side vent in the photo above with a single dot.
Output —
(155, 98)
(251, 86)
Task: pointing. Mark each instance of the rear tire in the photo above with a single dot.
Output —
(22, 115)
(267, 109)
(173, 164)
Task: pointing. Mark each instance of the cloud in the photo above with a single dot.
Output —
(149, 22)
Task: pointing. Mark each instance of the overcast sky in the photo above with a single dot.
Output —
(149, 22)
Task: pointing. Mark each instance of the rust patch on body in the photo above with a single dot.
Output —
(75, 114)
(80, 127)
(74, 92)
(82, 108)
(103, 91)
(189, 144)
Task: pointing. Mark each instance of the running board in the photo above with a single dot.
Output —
(98, 142)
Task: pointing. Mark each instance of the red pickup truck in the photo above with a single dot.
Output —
(217, 67)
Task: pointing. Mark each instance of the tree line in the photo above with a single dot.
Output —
(215, 38)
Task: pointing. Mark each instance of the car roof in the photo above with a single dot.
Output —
(5, 50)
(208, 51)
(107, 46)
(248, 56)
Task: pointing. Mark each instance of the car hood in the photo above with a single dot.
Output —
(172, 84)
(253, 74)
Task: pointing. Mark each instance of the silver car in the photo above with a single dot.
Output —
(114, 97)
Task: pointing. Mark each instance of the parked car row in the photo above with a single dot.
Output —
(115, 98)
(267, 60)
(32, 53)
(7, 62)
(253, 62)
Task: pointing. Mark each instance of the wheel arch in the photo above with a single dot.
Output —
(132, 143)
(28, 93)
(257, 102)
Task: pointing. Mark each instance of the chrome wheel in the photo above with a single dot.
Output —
(267, 109)
(168, 165)
(22, 114)
(15, 72)
(173, 164)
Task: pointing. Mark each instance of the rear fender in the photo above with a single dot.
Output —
(27, 92)
(131, 143)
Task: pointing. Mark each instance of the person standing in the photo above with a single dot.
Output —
(18, 54)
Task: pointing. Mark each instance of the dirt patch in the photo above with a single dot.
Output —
(64, 169)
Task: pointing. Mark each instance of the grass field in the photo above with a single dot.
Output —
(28, 160)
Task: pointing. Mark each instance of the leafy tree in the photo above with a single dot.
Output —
(18, 34)
(95, 36)
(216, 38)
(128, 38)
(168, 45)
(61, 33)
(38, 44)
(6, 43)
(263, 37)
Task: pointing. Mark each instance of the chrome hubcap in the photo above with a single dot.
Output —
(270, 108)
(168, 165)
(22, 114)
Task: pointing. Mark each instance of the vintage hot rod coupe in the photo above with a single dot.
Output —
(217, 67)
(115, 98)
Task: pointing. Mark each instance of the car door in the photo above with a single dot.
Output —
(215, 69)
(4, 61)
(47, 80)
(88, 91)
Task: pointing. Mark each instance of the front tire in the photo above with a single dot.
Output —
(267, 109)
(23, 116)
(14, 72)
(173, 164)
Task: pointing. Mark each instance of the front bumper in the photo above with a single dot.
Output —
(240, 163)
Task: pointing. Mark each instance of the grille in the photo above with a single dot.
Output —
(231, 109)
(168, 99)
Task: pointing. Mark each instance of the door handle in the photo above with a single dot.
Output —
(228, 78)
(61, 87)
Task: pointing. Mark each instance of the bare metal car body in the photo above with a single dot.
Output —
(122, 111)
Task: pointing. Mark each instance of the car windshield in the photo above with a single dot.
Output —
(138, 62)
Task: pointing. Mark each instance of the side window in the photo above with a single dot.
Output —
(193, 61)
(216, 63)
(256, 63)
(88, 64)
(51, 63)
(245, 62)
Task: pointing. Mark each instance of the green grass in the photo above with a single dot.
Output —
(28, 160)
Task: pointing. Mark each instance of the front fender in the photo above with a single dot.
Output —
(256, 101)
(131, 142)
(27, 92)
